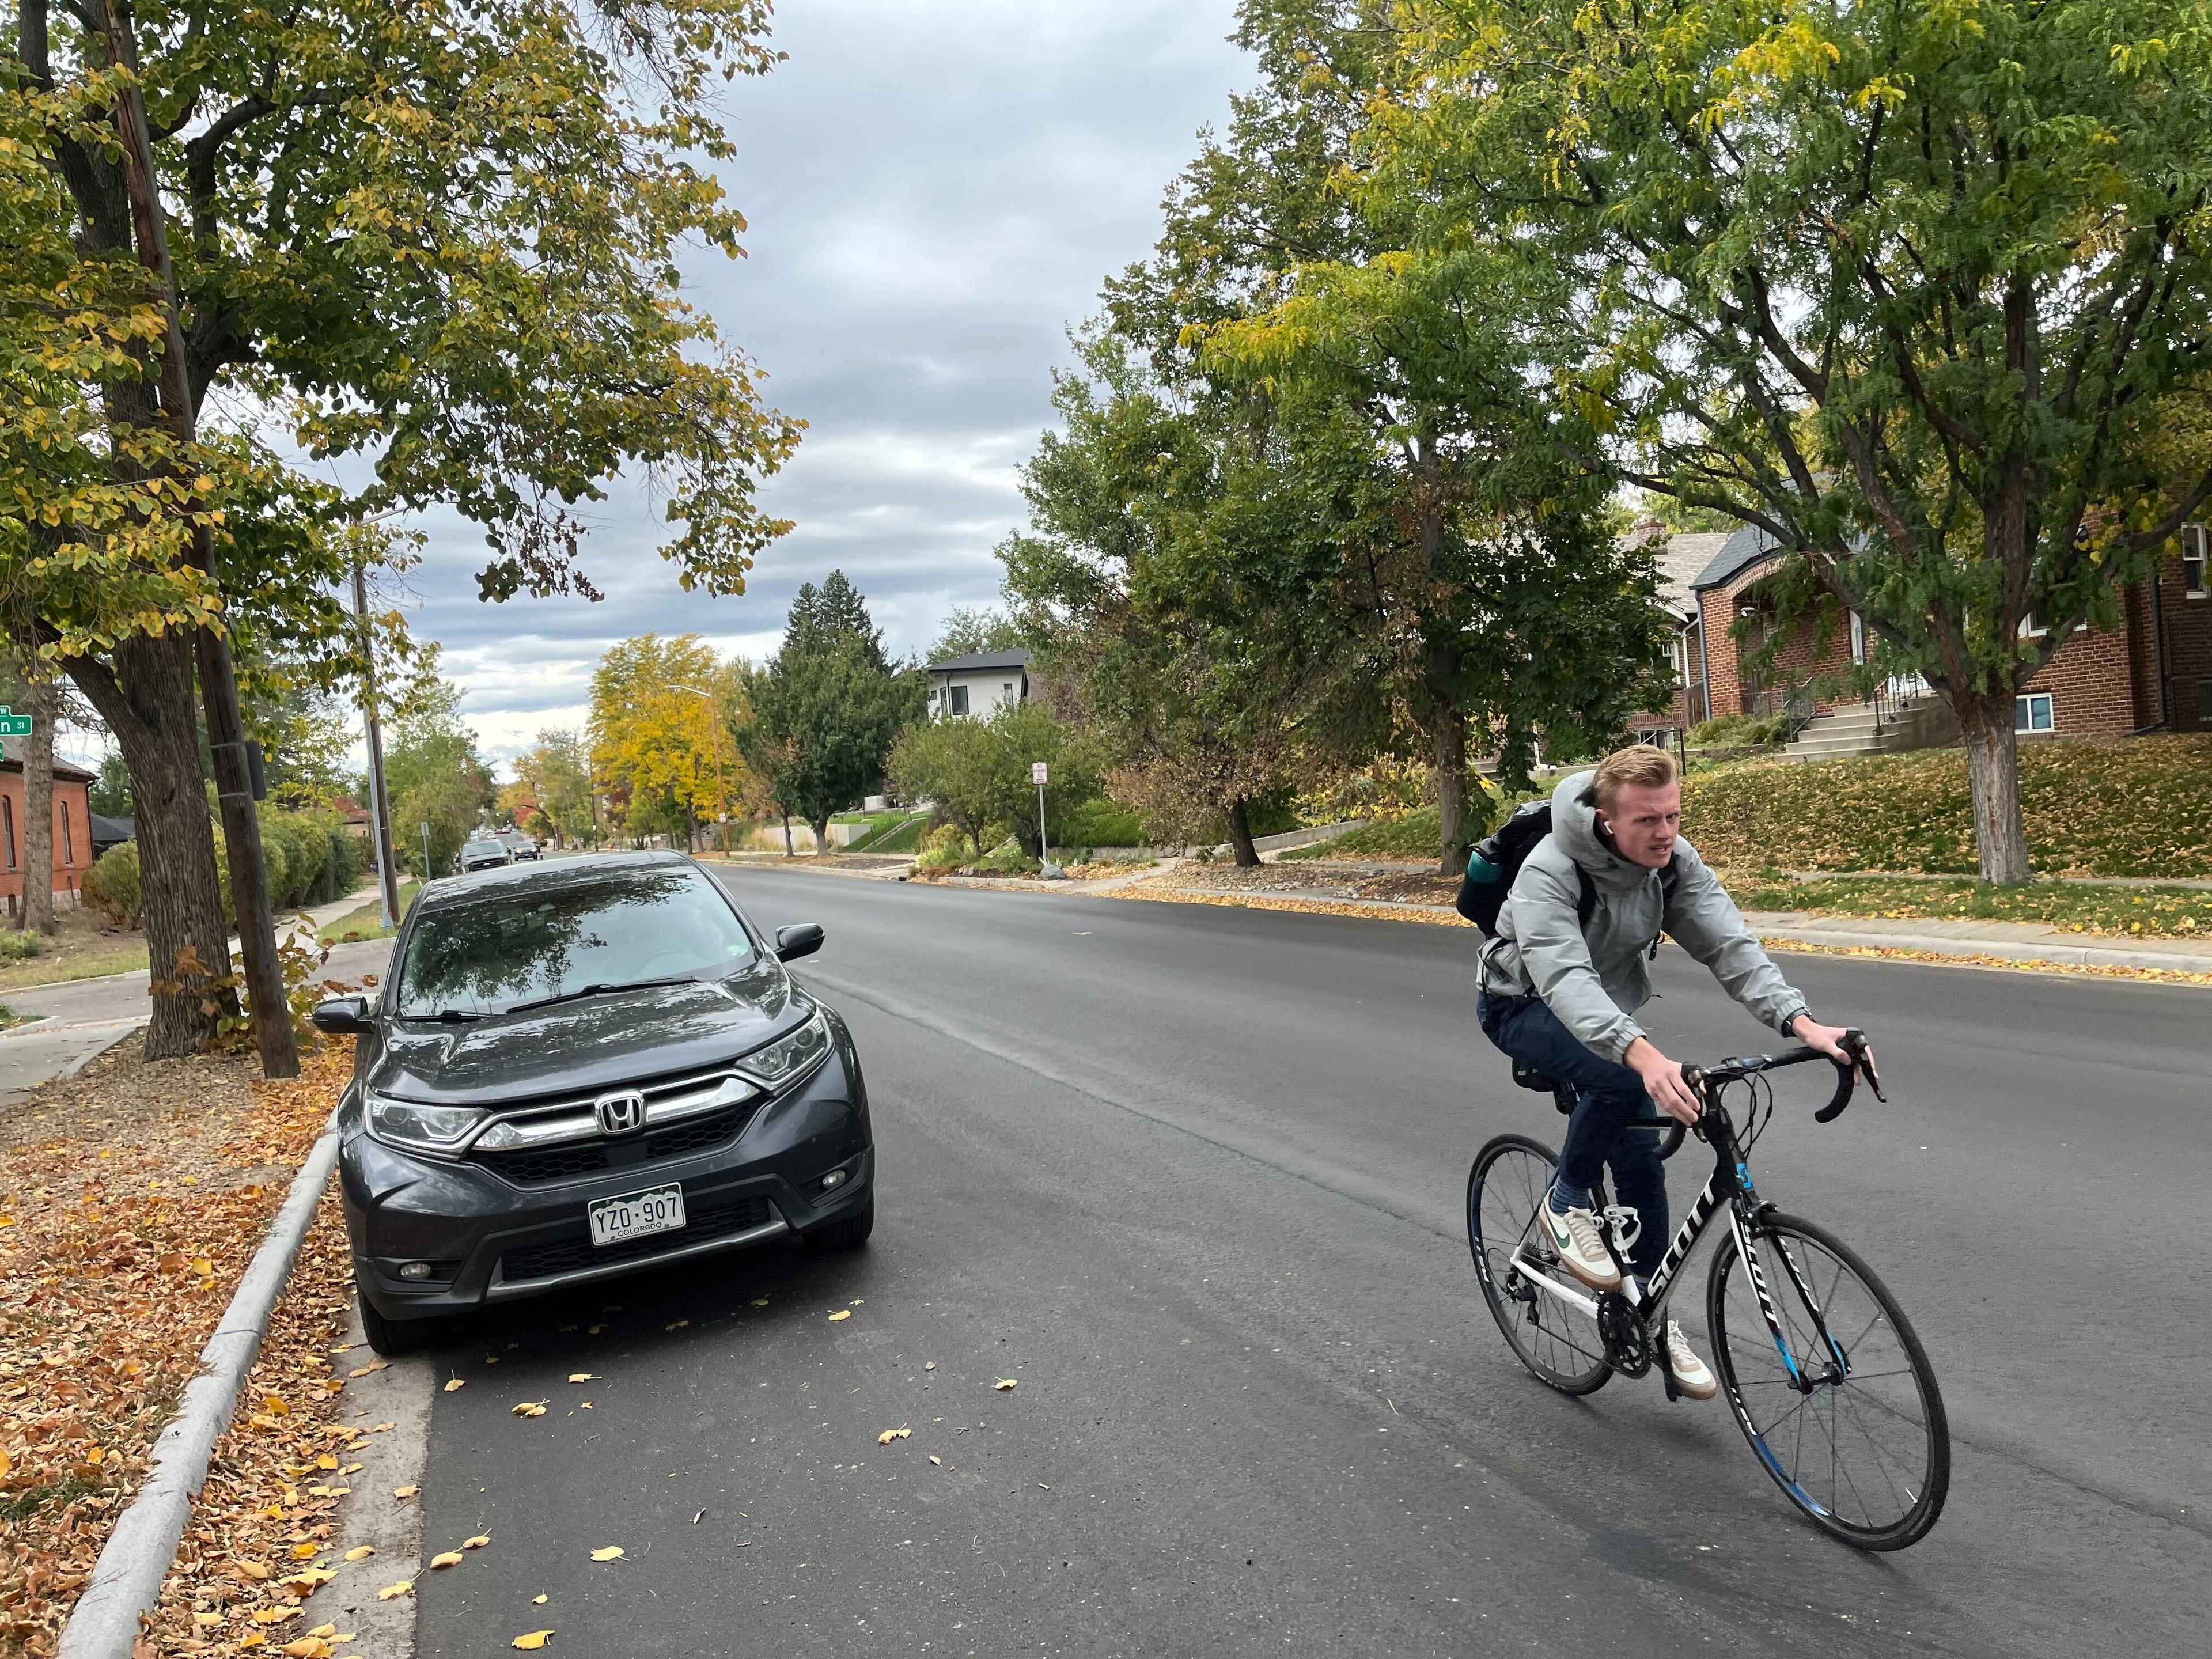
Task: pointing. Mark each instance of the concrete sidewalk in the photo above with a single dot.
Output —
(2012, 941)
(48, 1048)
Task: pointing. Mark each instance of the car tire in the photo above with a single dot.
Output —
(391, 1337)
(846, 1233)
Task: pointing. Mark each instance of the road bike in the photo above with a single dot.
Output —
(1822, 1370)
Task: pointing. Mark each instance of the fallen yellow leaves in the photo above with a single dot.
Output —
(372, 1366)
(405, 1492)
(611, 1553)
(890, 1435)
(841, 1313)
(528, 1408)
(477, 1542)
(446, 1558)
(1006, 1383)
(936, 1459)
(531, 1640)
(393, 1592)
(581, 1376)
(455, 1383)
(360, 1551)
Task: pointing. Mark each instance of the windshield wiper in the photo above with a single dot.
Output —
(449, 1015)
(601, 990)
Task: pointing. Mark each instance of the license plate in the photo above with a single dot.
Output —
(618, 1220)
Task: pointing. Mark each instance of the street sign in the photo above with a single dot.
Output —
(13, 725)
(1036, 768)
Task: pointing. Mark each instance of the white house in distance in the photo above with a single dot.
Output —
(979, 684)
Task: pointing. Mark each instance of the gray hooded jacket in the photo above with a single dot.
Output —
(1593, 978)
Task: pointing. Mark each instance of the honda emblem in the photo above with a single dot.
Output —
(620, 1112)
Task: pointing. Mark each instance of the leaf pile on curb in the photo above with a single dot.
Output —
(133, 1197)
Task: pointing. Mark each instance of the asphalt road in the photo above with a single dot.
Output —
(1192, 1178)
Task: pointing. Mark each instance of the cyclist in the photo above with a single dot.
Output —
(1565, 974)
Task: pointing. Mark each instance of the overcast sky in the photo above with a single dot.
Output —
(936, 189)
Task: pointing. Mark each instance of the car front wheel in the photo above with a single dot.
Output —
(846, 1233)
(393, 1337)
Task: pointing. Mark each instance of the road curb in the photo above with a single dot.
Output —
(2073, 956)
(127, 1579)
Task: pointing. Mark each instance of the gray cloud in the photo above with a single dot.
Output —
(935, 193)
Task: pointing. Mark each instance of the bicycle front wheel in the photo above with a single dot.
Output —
(1842, 1407)
(1557, 1341)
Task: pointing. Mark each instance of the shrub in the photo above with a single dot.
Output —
(112, 885)
(14, 946)
(1739, 730)
(2100, 806)
(1095, 822)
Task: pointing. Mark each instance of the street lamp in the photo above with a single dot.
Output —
(715, 731)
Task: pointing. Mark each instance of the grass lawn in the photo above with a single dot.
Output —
(367, 922)
(86, 948)
(1416, 836)
(897, 834)
(2137, 912)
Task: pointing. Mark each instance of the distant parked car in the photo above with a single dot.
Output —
(485, 852)
(578, 1073)
(519, 846)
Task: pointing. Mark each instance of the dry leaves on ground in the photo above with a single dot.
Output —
(132, 1198)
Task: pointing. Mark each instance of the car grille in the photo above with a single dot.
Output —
(678, 1139)
(714, 1218)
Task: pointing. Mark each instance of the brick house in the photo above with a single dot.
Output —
(73, 848)
(2151, 671)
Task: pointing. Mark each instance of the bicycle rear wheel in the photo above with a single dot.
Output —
(1559, 1343)
(1849, 1424)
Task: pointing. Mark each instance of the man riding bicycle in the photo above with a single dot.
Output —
(1566, 972)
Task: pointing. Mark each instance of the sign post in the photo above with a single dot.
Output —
(13, 725)
(1036, 776)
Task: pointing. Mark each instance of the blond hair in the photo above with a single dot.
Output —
(1641, 764)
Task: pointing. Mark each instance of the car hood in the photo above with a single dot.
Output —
(593, 1043)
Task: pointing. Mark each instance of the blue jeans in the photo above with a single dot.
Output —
(1606, 1095)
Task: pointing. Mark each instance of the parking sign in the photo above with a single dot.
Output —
(1036, 772)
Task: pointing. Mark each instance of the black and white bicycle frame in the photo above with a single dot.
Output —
(1731, 1186)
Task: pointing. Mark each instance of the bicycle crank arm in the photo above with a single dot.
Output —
(1544, 1282)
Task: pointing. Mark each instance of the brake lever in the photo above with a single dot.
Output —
(1862, 1056)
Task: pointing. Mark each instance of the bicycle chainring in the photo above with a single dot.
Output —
(1622, 1328)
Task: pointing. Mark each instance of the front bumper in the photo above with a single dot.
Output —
(492, 1239)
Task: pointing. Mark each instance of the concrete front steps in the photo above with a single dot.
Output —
(1852, 729)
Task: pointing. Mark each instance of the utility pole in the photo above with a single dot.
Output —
(380, 807)
(226, 725)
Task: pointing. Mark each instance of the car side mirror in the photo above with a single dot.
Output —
(340, 1016)
(801, 939)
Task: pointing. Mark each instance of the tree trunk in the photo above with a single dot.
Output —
(1240, 833)
(148, 702)
(821, 827)
(1993, 770)
(787, 853)
(38, 807)
(1451, 790)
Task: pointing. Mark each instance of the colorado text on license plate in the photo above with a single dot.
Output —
(661, 1210)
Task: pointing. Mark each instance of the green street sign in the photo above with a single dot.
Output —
(13, 725)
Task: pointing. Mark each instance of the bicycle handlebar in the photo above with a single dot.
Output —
(1847, 1071)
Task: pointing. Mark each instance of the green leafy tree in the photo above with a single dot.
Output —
(835, 613)
(556, 775)
(1915, 289)
(110, 794)
(430, 752)
(441, 238)
(975, 771)
(1465, 563)
(661, 713)
(822, 718)
(969, 630)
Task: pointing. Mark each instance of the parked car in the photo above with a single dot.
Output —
(483, 852)
(582, 1070)
(519, 846)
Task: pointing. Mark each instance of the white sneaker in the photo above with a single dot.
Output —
(1692, 1376)
(1574, 1235)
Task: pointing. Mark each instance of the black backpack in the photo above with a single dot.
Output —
(1492, 867)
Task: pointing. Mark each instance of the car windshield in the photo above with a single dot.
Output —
(481, 954)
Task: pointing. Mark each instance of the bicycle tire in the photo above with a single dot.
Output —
(1912, 1484)
(1541, 1331)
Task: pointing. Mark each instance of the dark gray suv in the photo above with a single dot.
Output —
(583, 1069)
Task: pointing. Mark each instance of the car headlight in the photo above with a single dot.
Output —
(792, 1054)
(419, 1127)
